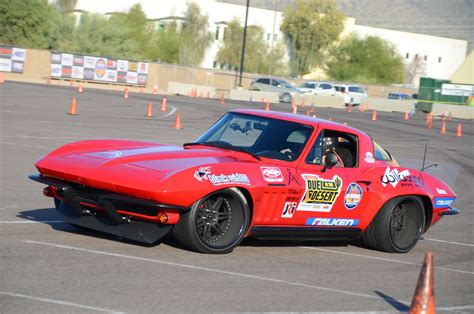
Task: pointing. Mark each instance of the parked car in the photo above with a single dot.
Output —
(285, 90)
(398, 96)
(317, 88)
(353, 94)
(256, 173)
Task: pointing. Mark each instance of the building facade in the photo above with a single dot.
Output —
(426, 55)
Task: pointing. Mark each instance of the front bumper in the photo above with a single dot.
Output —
(124, 216)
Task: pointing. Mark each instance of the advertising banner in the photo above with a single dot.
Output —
(81, 67)
(12, 59)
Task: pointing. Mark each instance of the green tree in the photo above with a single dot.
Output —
(165, 45)
(257, 53)
(25, 23)
(310, 27)
(366, 60)
(194, 37)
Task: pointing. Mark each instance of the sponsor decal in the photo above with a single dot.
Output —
(132, 66)
(353, 196)
(67, 59)
(122, 77)
(5, 65)
(89, 62)
(17, 67)
(205, 174)
(289, 210)
(78, 61)
(132, 77)
(443, 202)
(333, 222)
(369, 158)
(77, 72)
(142, 68)
(100, 68)
(18, 54)
(66, 71)
(55, 58)
(122, 65)
(404, 177)
(55, 70)
(5, 52)
(88, 74)
(441, 191)
(320, 194)
(112, 64)
(292, 178)
(272, 174)
(111, 75)
(142, 78)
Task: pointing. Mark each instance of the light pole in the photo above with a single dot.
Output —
(243, 44)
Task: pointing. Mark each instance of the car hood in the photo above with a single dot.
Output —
(119, 167)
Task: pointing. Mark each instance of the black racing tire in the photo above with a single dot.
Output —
(398, 225)
(286, 98)
(216, 224)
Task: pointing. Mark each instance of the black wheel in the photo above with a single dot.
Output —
(398, 225)
(215, 224)
(286, 97)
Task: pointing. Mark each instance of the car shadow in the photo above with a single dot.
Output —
(254, 242)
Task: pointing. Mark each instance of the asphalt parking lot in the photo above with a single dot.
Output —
(49, 266)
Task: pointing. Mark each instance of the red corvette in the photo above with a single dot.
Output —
(253, 173)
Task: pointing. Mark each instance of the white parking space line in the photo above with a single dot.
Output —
(385, 259)
(212, 270)
(24, 145)
(456, 308)
(171, 112)
(31, 221)
(448, 242)
(81, 306)
(8, 207)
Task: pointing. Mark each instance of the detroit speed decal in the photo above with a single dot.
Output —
(320, 194)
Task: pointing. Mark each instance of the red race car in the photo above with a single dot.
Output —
(253, 173)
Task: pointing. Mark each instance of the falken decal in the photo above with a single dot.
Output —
(272, 174)
(332, 222)
(289, 209)
(353, 196)
(443, 202)
(205, 174)
(320, 194)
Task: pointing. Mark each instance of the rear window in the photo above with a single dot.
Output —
(355, 89)
(263, 81)
(381, 153)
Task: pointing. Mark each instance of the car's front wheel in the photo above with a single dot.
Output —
(286, 97)
(216, 223)
(398, 225)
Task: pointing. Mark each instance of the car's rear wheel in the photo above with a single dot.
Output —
(216, 223)
(286, 97)
(398, 225)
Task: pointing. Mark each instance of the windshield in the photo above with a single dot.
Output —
(265, 137)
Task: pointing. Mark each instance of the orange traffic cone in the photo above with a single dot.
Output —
(155, 90)
(48, 81)
(330, 118)
(293, 103)
(295, 110)
(222, 99)
(163, 104)
(423, 299)
(177, 122)
(459, 130)
(267, 106)
(141, 90)
(430, 124)
(73, 109)
(443, 127)
(125, 93)
(407, 116)
(374, 115)
(71, 83)
(349, 108)
(80, 89)
(2, 78)
(362, 108)
(149, 111)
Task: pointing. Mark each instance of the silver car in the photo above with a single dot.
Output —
(317, 88)
(285, 90)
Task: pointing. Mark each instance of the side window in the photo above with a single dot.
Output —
(275, 83)
(326, 86)
(355, 89)
(305, 85)
(344, 145)
(381, 153)
(312, 85)
(263, 81)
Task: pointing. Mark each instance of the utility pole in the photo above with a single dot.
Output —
(243, 44)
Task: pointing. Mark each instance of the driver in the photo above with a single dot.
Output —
(329, 146)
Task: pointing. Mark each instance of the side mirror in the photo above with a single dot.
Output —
(330, 161)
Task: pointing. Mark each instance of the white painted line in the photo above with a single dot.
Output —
(454, 308)
(85, 307)
(31, 221)
(24, 145)
(449, 242)
(170, 113)
(9, 207)
(384, 259)
(212, 270)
